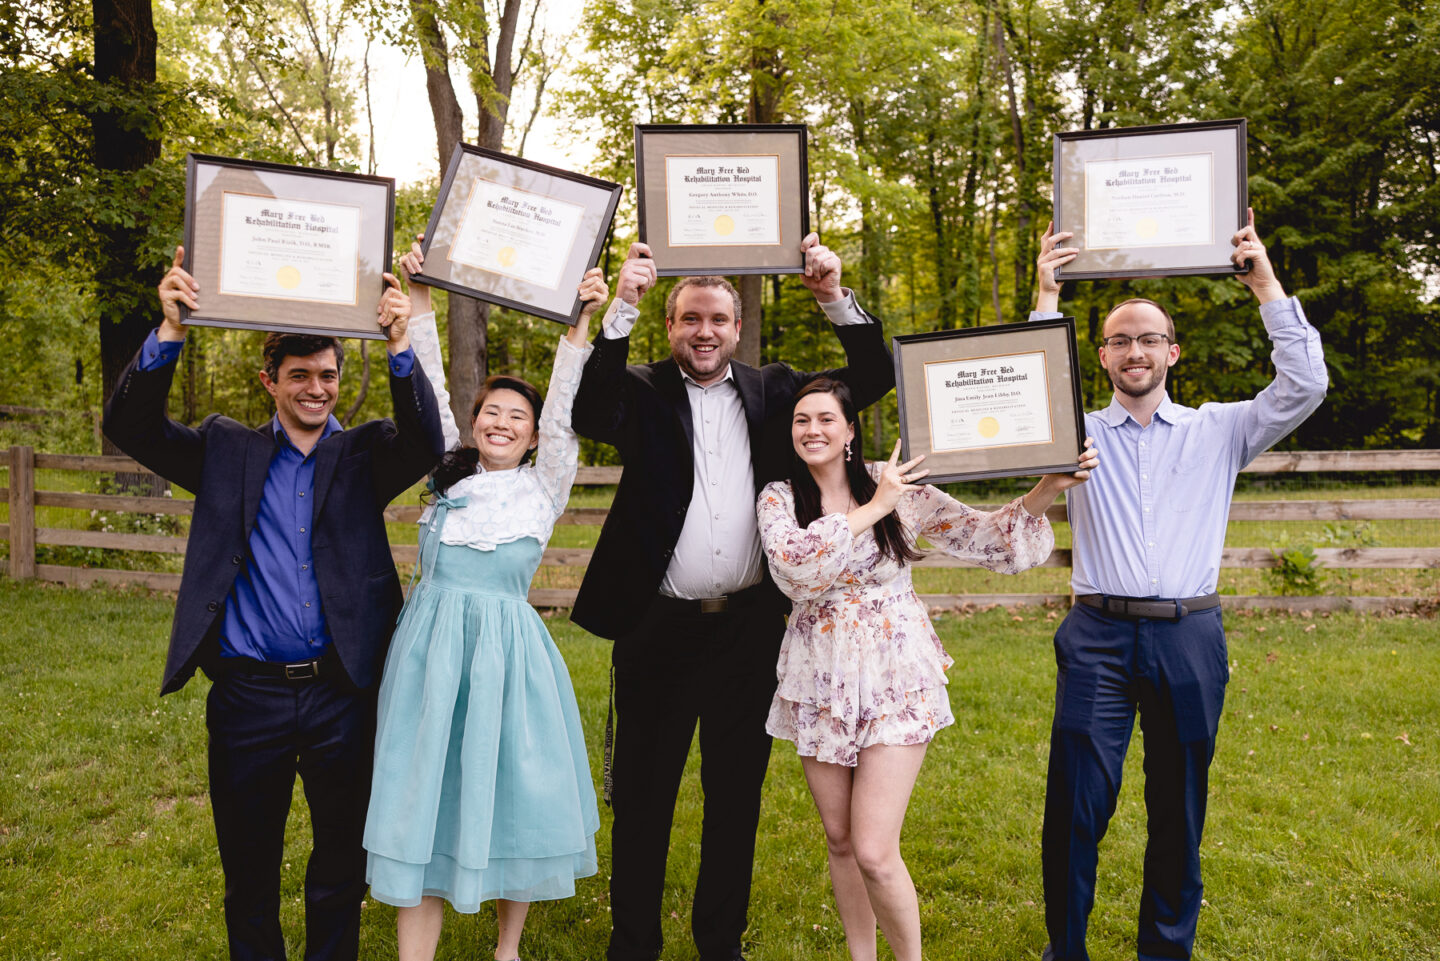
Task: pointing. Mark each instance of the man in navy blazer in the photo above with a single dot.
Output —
(287, 601)
(679, 582)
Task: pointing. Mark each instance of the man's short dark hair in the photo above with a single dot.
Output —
(279, 346)
(684, 282)
(1169, 321)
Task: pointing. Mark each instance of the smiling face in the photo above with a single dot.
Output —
(504, 429)
(819, 431)
(304, 389)
(703, 333)
(1136, 371)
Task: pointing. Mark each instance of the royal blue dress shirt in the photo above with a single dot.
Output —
(273, 611)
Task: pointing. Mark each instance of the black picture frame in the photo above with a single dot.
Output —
(225, 194)
(526, 272)
(1009, 445)
(656, 145)
(1118, 221)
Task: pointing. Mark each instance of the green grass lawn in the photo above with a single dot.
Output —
(1323, 840)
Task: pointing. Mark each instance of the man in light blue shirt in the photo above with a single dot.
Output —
(1146, 633)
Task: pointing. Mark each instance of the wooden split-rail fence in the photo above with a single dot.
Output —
(24, 535)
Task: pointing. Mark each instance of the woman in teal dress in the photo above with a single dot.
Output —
(482, 786)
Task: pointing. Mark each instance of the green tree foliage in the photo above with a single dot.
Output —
(931, 127)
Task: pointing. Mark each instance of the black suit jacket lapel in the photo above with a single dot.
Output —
(258, 453)
(672, 387)
(752, 395)
(327, 456)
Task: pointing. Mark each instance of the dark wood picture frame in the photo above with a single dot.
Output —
(787, 142)
(1055, 338)
(208, 182)
(1225, 142)
(469, 165)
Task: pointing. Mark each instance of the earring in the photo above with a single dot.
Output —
(847, 452)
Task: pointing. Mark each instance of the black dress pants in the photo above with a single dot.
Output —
(681, 668)
(263, 731)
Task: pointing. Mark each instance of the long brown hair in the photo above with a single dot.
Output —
(889, 532)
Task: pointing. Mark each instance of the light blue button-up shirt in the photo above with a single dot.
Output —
(1151, 520)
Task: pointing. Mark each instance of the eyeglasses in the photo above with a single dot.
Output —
(1150, 341)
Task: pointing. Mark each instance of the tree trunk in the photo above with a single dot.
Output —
(467, 316)
(124, 62)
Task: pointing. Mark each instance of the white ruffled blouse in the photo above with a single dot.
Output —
(507, 505)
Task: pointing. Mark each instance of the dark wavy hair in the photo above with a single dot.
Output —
(889, 532)
(462, 460)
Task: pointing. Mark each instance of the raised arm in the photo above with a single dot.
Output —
(869, 369)
(425, 339)
(135, 415)
(1301, 377)
(558, 456)
(417, 440)
(603, 401)
(1052, 255)
(805, 561)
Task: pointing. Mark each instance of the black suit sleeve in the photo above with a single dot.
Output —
(136, 420)
(415, 442)
(604, 402)
(870, 369)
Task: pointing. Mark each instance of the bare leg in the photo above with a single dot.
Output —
(884, 778)
(511, 918)
(418, 929)
(830, 786)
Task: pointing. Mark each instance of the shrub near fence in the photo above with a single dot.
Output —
(1360, 501)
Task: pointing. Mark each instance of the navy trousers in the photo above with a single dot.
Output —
(263, 731)
(676, 670)
(1174, 673)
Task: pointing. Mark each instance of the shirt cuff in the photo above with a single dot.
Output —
(1286, 312)
(845, 310)
(1045, 315)
(156, 353)
(403, 363)
(619, 320)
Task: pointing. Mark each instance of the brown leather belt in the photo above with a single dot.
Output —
(1159, 608)
(714, 605)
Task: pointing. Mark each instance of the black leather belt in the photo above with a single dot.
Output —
(713, 605)
(293, 671)
(1161, 608)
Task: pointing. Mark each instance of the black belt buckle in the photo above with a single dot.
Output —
(305, 671)
(714, 605)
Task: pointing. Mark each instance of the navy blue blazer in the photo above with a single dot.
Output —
(644, 411)
(224, 464)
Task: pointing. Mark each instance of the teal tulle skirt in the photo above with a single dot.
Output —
(482, 786)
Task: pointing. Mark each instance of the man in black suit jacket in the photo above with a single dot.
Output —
(287, 601)
(678, 580)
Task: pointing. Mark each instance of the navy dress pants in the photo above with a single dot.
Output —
(1174, 673)
(681, 668)
(263, 731)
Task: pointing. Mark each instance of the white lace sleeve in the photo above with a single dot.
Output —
(558, 456)
(425, 340)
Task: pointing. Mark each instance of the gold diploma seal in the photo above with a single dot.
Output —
(1147, 227)
(988, 427)
(724, 225)
(288, 277)
(507, 256)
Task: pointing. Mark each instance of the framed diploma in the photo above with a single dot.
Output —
(1151, 201)
(516, 233)
(723, 199)
(1000, 401)
(296, 249)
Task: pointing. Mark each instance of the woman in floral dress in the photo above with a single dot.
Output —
(861, 672)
